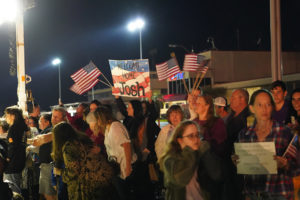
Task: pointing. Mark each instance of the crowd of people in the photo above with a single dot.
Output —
(96, 155)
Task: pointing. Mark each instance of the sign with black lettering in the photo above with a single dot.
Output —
(130, 77)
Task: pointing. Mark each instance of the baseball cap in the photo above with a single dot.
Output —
(220, 101)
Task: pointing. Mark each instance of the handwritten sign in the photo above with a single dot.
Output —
(256, 158)
(130, 77)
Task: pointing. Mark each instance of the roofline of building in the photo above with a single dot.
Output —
(256, 82)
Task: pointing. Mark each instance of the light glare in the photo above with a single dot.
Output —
(8, 10)
(136, 24)
(56, 61)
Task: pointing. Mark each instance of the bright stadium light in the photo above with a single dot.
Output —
(134, 25)
(56, 61)
(8, 10)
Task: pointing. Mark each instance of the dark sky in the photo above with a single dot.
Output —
(78, 31)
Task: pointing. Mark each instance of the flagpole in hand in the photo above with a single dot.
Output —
(201, 78)
(203, 71)
(291, 149)
(196, 81)
(185, 86)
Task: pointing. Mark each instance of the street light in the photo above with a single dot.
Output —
(56, 62)
(137, 24)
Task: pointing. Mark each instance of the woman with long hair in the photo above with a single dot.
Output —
(118, 147)
(295, 99)
(214, 132)
(142, 132)
(264, 129)
(183, 154)
(94, 132)
(16, 138)
(214, 129)
(86, 173)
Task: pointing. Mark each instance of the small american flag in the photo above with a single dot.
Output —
(167, 69)
(86, 75)
(292, 148)
(203, 69)
(192, 62)
(79, 90)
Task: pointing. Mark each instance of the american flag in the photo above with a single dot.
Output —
(203, 69)
(79, 90)
(292, 148)
(86, 75)
(192, 62)
(167, 69)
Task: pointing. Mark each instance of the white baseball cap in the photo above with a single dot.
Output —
(220, 101)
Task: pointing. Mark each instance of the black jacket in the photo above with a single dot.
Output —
(16, 138)
(131, 123)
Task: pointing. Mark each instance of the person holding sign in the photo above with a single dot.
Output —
(268, 185)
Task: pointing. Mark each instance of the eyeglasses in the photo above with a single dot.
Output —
(192, 136)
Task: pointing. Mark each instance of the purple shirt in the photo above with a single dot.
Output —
(281, 115)
(216, 135)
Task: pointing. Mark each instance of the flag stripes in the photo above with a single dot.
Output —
(85, 78)
(167, 69)
(292, 148)
(192, 62)
(79, 90)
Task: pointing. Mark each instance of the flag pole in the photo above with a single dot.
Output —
(102, 75)
(196, 81)
(93, 95)
(202, 76)
(105, 83)
(291, 142)
(185, 86)
(106, 80)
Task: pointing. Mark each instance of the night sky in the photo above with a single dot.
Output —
(78, 31)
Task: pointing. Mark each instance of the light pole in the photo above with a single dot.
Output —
(12, 10)
(56, 62)
(137, 24)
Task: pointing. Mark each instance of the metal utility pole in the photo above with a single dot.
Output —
(275, 26)
(141, 49)
(21, 91)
